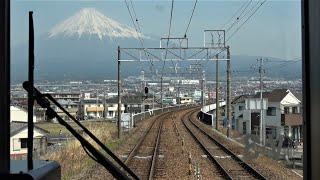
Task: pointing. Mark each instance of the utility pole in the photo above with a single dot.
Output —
(104, 104)
(228, 91)
(119, 95)
(178, 93)
(97, 104)
(153, 100)
(143, 86)
(217, 92)
(161, 93)
(203, 101)
(262, 128)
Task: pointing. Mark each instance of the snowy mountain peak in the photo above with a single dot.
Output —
(89, 21)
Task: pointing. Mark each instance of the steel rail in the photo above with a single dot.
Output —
(137, 146)
(156, 147)
(241, 162)
(204, 148)
(155, 152)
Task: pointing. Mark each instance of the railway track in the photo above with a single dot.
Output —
(142, 158)
(228, 163)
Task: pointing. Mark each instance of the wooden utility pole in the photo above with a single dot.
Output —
(119, 95)
(217, 92)
(228, 91)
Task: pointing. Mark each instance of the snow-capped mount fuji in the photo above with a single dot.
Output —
(83, 46)
(89, 21)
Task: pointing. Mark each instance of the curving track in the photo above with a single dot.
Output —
(229, 164)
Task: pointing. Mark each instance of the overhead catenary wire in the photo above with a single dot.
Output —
(135, 15)
(248, 18)
(134, 23)
(166, 52)
(169, 34)
(259, 3)
(242, 8)
(138, 30)
(234, 15)
(190, 19)
(242, 11)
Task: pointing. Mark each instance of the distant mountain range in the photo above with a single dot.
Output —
(84, 47)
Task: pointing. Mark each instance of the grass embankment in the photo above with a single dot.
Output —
(71, 156)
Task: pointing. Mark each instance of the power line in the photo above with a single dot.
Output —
(249, 17)
(246, 20)
(169, 33)
(135, 15)
(194, 7)
(138, 30)
(239, 17)
(164, 62)
(133, 22)
(230, 19)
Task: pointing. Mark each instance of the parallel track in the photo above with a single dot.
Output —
(142, 158)
(229, 164)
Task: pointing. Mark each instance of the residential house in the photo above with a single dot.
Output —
(246, 113)
(93, 108)
(112, 108)
(281, 113)
(18, 140)
(284, 110)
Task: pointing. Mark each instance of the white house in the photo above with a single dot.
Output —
(246, 113)
(112, 110)
(19, 114)
(282, 114)
(18, 140)
(94, 108)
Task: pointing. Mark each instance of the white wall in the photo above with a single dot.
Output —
(255, 103)
(114, 109)
(290, 100)
(18, 114)
(211, 107)
(15, 144)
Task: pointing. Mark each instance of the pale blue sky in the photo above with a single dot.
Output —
(273, 31)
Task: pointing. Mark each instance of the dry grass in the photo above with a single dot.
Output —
(72, 157)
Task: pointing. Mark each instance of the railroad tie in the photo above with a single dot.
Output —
(143, 157)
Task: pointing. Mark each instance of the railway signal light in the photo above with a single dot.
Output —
(146, 90)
